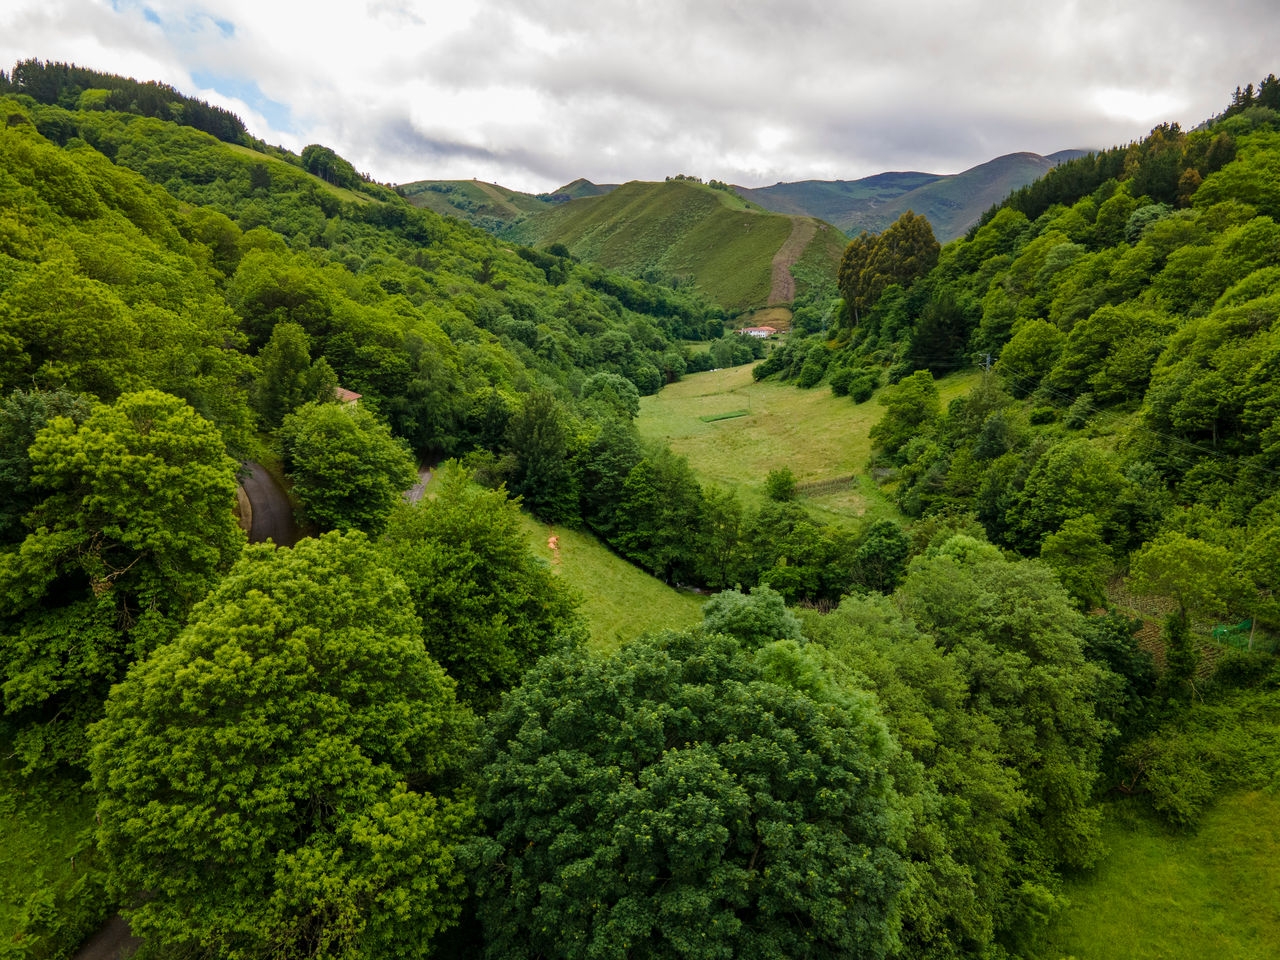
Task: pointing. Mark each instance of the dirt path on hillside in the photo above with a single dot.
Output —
(783, 289)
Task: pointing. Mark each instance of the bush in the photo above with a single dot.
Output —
(861, 388)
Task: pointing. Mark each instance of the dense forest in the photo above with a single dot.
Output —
(891, 739)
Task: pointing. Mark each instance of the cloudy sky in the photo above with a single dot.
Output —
(535, 93)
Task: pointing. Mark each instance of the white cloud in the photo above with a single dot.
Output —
(534, 93)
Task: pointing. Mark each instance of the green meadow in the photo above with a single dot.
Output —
(619, 600)
(1174, 896)
(734, 430)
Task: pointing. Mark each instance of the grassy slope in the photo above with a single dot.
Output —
(817, 435)
(620, 601)
(472, 200)
(1161, 896)
(682, 228)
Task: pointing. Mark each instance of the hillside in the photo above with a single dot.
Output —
(724, 245)
(487, 205)
(952, 203)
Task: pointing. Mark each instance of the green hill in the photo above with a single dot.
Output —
(584, 188)
(486, 205)
(725, 245)
(951, 203)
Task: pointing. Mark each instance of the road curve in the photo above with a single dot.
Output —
(272, 512)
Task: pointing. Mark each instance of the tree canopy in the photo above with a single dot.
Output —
(680, 799)
(348, 471)
(489, 608)
(279, 779)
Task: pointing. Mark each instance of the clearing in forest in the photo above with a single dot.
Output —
(818, 436)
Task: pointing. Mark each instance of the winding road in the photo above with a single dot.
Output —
(272, 512)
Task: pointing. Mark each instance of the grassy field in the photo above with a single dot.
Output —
(620, 601)
(1161, 896)
(817, 435)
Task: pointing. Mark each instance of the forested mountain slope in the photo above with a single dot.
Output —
(1126, 432)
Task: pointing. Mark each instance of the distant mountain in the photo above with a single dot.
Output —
(952, 203)
(738, 254)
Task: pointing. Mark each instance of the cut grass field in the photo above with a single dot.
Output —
(816, 435)
(1163, 896)
(620, 601)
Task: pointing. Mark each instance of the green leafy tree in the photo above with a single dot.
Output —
(660, 516)
(347, 470)
(287, 378)
(22, 415)
(780, 485)
(538, 434)
(611, 394)
(1019, 637)
(1073, 479)
(881, 558)
(753, 620)
(278, 780)
(912, 408)
(1079, 555)
(1198, 576)
(1029, 355)
(681, 799)
(134, 524)
(489, 608)
(906, 251)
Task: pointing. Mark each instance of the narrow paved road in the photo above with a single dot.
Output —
(112, 942)
(272, 512)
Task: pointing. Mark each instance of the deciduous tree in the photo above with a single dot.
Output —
(489, 608)
(278, 780)
(347, 469)
(680, 800)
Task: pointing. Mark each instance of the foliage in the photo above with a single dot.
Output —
(489, 609)
(674, 801)
(905, 251)
(134, 525)
(69, 86)
(753, 620)
(780, 485)
(278, 779)
(911, 408)
(347, 470)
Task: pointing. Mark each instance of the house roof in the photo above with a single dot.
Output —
(345, 396)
